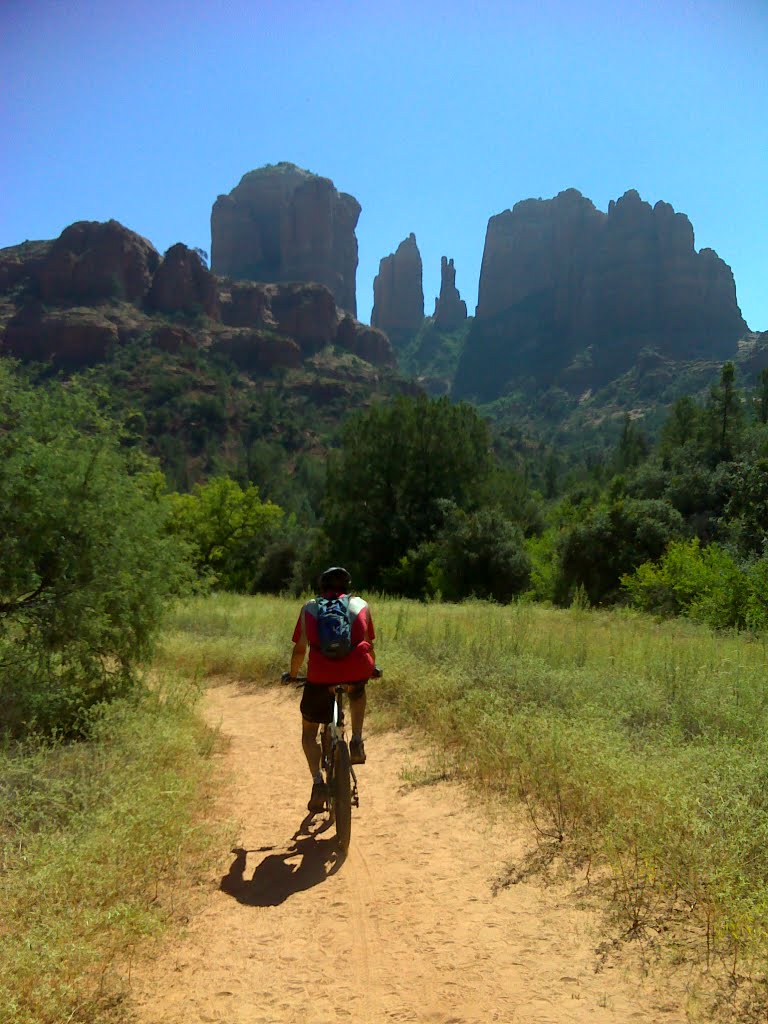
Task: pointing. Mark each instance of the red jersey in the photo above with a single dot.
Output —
(357, 665)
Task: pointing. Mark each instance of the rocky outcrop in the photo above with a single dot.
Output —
(257, 351)
(21, 263)
(173, 339)
(183, 284)
(369, 343)
(563, 284)
(398, 296)
(450, 308)
(306, 313)
(282, 223)
(259, 326)
(92, 261)
(245, 304)
(69, 339)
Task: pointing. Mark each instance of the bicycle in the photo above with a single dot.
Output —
(338, 772)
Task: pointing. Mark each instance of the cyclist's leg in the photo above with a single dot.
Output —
(357, 702)
(310, 745)
(316, 708)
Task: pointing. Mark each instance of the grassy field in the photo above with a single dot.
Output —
(634, 744)
(637, 747)
(95, 839)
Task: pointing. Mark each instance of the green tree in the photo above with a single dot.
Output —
(724, 415)
(480, 554)
(746, 511)
(395, 465)
(632, 447)
(681, 426)
(761, 399)
(86, 565)
(229, 530)
(608, 542)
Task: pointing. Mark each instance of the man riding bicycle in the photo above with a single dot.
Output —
(338, 630)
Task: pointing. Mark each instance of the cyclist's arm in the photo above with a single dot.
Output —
(297, 658)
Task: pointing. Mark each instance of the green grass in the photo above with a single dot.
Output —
(638, 745)
(635, 745)
(95, 839)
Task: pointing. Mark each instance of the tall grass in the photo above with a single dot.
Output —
(94, 839)
(640, 744)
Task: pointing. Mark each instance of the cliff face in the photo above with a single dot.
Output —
(562, 281)
(398, 296)
(450, 308)
(282, 223)
(97, 286)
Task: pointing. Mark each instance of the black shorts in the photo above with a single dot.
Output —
(317, 701)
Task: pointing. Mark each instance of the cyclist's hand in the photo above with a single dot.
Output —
(377, 672)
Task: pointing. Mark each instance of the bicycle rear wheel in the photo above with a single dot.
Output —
(342, 794)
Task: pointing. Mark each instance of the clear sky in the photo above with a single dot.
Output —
(434, 115)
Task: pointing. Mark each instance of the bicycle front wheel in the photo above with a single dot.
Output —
(342, 794)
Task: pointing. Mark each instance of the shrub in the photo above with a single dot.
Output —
(705, 584)
(609, 541)
(85, 564)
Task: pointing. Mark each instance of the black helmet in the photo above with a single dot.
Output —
(335, 578)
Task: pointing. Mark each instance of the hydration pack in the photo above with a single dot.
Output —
(333, 626)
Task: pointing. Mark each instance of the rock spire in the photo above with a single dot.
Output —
(398, 296)
(450, 308)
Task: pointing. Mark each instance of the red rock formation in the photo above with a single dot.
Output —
(258, 351)
(92, 261)
(182, 284)
(246, 304)
(373, 346)
(173, 339)
(22, 262)
(450, 308)
(559, 277)
(369, 343)
(282, 223)
(398, 296)
(306, 313)
(70, 339)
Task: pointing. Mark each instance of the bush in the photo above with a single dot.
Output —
(609, 542)
(705, 584)
(86, 567)
(480, 554)
(229, 530)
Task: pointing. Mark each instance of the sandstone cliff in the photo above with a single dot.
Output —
(73, 300)
(571, 295)
(398, 296)
(282, 223)
(450, 308)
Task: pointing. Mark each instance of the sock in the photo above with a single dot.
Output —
(357, 737)
(317, 777)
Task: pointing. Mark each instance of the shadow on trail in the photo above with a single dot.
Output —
(307, 862)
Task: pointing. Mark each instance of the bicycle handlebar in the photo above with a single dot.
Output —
(286, 677)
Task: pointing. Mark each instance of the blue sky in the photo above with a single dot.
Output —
(434, 115)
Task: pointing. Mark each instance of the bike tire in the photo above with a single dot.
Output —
(342, 795)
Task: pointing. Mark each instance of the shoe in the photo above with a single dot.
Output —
(319, 797)
(356, 752)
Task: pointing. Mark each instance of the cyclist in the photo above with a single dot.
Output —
(324, 672)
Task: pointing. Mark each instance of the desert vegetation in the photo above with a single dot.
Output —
(636, 746)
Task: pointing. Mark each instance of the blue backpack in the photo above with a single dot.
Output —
(333, 626)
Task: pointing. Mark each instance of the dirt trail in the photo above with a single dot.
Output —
(406, 928)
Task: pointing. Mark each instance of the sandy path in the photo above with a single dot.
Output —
(407, 928)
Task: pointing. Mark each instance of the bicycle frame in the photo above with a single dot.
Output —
(331, 735)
